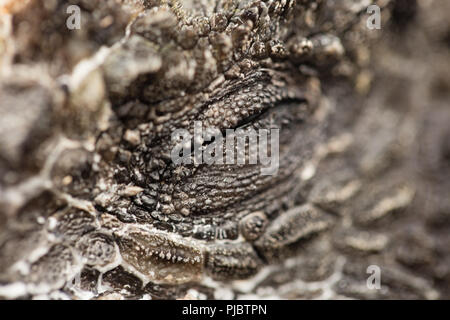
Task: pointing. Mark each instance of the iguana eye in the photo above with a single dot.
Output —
(211, 190)
(237, 103)
(280, 114)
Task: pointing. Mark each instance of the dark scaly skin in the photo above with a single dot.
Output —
(92, 206)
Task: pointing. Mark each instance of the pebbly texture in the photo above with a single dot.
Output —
(91, 205)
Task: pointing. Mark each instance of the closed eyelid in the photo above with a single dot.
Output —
(248, 104)
(289, 103)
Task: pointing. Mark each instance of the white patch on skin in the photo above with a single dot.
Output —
(21, 267)
(399, 200)
(82, 70)
(308, 172)
(52, 222)
(131, 191)
(13, 290)
(37, 253)
(193, 294)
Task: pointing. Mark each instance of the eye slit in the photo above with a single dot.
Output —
(281, 105)
(251, 119)
(279, 110)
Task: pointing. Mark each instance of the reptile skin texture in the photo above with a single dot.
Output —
(92, 207)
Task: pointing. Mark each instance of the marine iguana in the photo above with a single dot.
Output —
(93, 207)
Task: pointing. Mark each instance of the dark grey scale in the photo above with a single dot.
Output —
(176, 218)
(155, 215)
(73, 223)
(140, 214)
(232, 261)
(97, 248)
(53, 268)
(184, 229)
(145, 201)
(125, 217)
(122, 175)
(152, 189)
(204, 232)
(160, 216)
(88, 280)
(162, 291)
(153, 176)
(164, 225)
(119, 279)
(138, 178)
